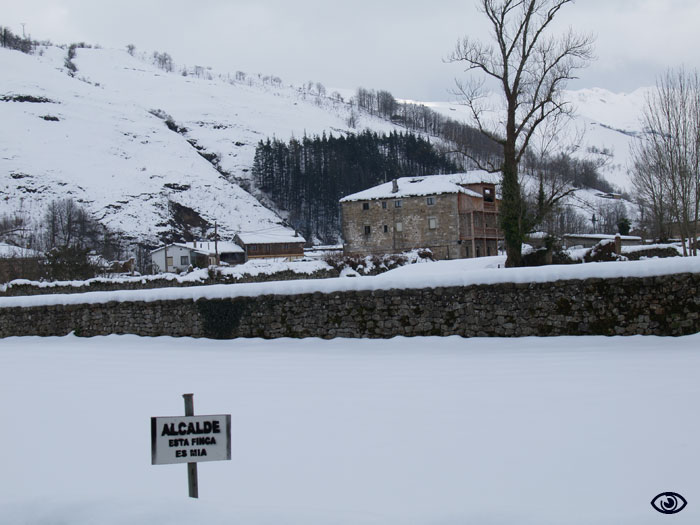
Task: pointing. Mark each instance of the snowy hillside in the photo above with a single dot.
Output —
(149, 151)
(101, 138)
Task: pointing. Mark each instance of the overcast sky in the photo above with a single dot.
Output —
(397, 45)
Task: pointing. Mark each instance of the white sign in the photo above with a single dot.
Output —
(189, 439)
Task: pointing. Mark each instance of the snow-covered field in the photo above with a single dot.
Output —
(443, 431)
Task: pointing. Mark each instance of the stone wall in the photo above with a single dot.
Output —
(663, 305)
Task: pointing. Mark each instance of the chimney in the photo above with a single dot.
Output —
(394, 186)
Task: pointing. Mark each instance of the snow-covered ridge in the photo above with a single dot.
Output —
(439, 274)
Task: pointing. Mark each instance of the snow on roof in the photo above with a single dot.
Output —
(9, 251)
(428, 185)
(601, 236)
(270, 236)
(205, 247)
(221, 246)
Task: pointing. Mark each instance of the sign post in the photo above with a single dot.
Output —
(191, 466)
(190, 439)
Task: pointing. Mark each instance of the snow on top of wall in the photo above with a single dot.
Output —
(437, 274)
(428, 185)
(253, 267)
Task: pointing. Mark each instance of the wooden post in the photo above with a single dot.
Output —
(191, 467)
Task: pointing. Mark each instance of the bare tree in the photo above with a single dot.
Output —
(651, 195)
(531, 68)
(666, 169)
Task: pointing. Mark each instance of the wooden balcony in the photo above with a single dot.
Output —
(482, 232)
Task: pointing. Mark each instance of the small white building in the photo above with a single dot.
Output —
(178, 257)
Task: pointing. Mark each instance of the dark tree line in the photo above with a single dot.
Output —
(418, 117)
(579, 173)
(308, 177)
(466, 139)
(11, 41)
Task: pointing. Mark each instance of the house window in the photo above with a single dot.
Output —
(432, 223)
(399, 226)
(368, 230)
(430, 201)
(397, 204)
(365, 205)
(184, 260)
(488, 195)
(252, 248)
(384, 205)
(386, 228)
(169, 262)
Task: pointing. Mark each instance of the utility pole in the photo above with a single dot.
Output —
(216, 244)
(24, 36)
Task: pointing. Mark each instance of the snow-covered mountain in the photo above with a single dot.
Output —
(132, 142)
(101, 138)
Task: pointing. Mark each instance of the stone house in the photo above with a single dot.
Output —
(455, 216)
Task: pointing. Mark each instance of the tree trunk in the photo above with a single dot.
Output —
(511, 210)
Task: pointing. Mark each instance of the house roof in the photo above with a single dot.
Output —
(427, 185)
(205, 247)
(275, 236)
(222, 246)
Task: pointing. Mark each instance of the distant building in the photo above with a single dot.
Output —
(588, 240)
(178, 257)
(456, 216)
(276, 244)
